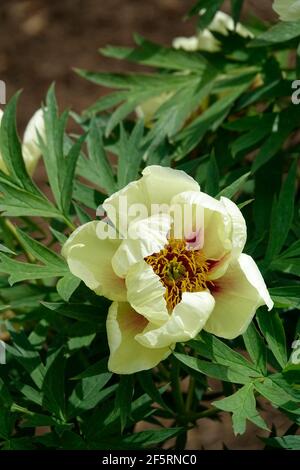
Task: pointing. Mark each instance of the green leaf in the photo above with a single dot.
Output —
(280, 393)
(40, 251)
(280, 33)
(86, 394)
(80, 312)
(285, 442)
(124, 399)
(212, 176)
(242, 404)
(18, 202)
(207, 9)
(236, 8)
(286, 296)
(146, 439)
(54, 384)
(217, 371)
(210, 119)
(289, 266)
(212, 348)
(256, 348)
(172, 114)
(67, 174)
(19, 271)
(149, 53)
(234, 187)
(130, 154)
(271, 326)
(98, 159)
(147, 383)
(282, 215)
(67, 285)
(283, 126)
(4, 249)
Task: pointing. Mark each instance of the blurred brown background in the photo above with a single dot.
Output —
(42, 40)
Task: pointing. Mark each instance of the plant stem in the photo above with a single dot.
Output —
(176, 390)
(190, 394)
(204, 414)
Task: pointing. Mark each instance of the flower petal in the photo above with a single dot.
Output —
(162, 183)
(145, 293)
(224, 225)
(89, 258)
(157, 186)
(238, 227)
(127, 356)
(216, 220)
(30, 148)
(238, 294)
(146, 237)
(185, 322)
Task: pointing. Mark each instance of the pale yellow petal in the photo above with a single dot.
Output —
(146, 237)
(185, 322)
(127, 356)
(238, 294)
(145, 293)
(288, 10)
(89, 258)
(156, 187)
(30, 147)
(238, 227)
(216, 222)
(161, 184)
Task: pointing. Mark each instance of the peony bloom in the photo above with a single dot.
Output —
(30, 148)
(206, 41)
(288, 10)
(166, 288)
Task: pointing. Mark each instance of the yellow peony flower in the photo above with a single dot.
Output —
(166, 288)
(30, 148)
(288, 10)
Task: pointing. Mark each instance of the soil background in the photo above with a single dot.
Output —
(42, 41)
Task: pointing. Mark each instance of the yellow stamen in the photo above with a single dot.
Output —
(180, 270)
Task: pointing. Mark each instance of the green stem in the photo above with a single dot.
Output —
(204, 414)
(190, 394)
(176, 388)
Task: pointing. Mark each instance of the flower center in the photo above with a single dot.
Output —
(180, 270)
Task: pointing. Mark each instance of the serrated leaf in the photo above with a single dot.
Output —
(242, 404)
(124, 398)
(217, 371)
(256, 348)
(272, 328)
